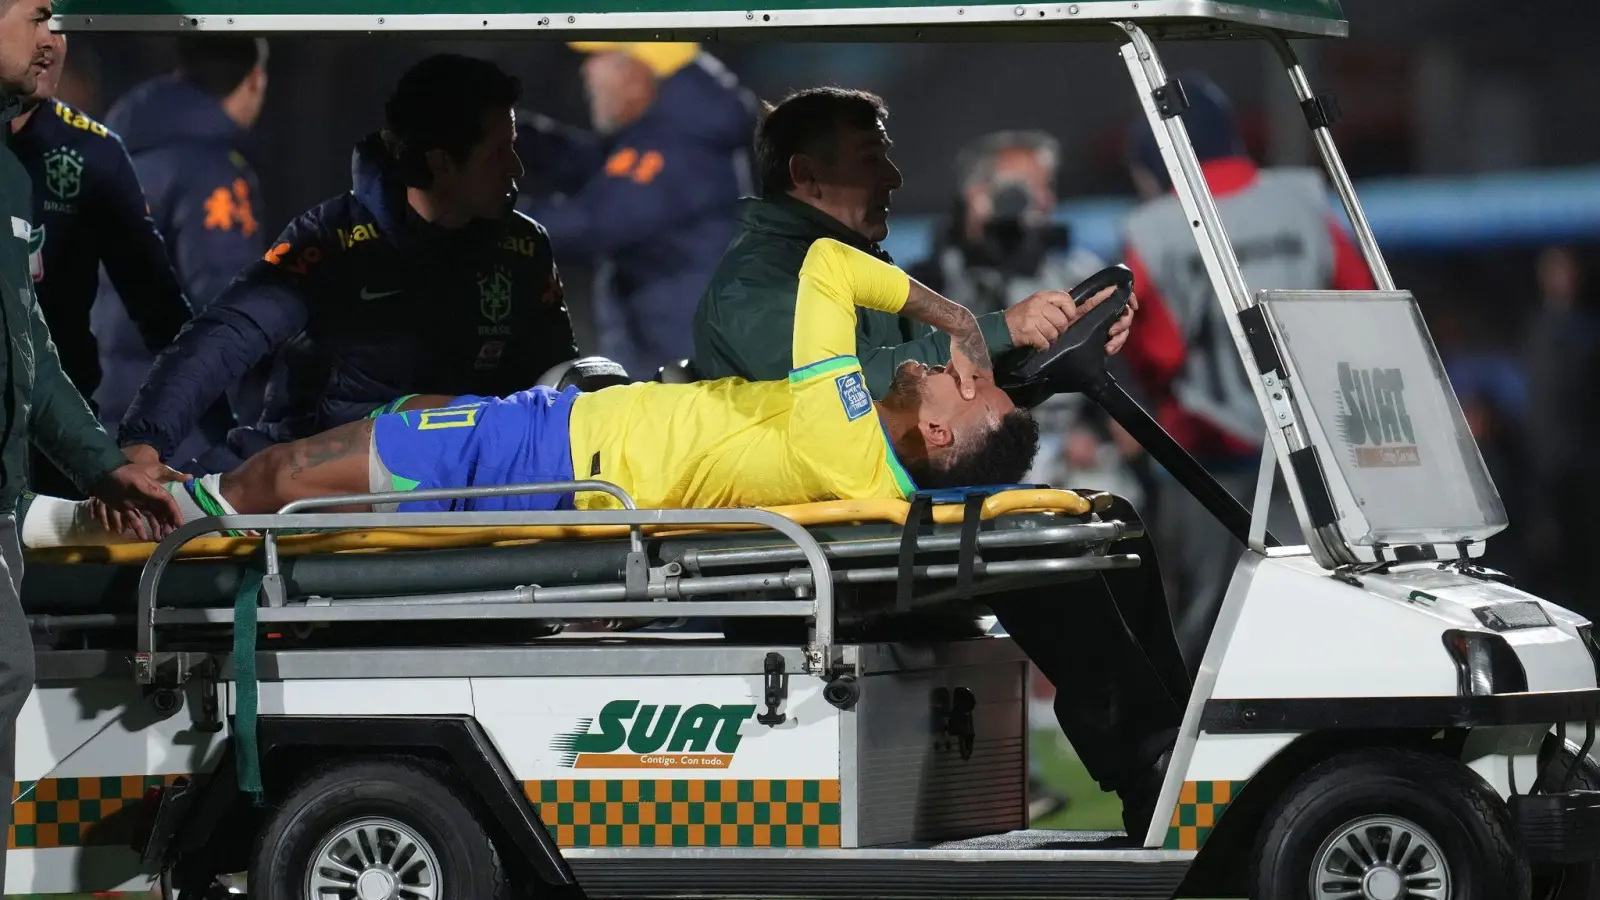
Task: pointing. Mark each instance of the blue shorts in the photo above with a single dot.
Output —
(475, 442)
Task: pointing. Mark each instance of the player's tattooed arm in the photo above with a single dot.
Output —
(950, 317)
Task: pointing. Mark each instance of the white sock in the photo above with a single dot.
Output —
(54, 522)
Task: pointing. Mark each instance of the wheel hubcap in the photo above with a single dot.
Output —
(373, 859)
(1380, 858)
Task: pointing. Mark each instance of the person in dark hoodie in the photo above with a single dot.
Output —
(89, 209)
(188, 135)
(653, 193)
(421, 279)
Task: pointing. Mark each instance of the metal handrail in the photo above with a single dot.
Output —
(822, 599)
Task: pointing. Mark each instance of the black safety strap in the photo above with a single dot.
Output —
(971, 518)
(921, 510)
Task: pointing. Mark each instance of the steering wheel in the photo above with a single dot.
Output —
(1075, 362)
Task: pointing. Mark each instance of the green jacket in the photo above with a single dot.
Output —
(745, 323)
(38, 403)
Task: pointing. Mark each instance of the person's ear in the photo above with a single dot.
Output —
(936, 434)
(438, 161)
(803, 173)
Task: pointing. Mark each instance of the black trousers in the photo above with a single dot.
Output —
(1108, 647)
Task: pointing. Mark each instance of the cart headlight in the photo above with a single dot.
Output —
(1586, 633)
(1485, 664)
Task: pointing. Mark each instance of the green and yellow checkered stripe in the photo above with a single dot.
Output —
(641, 813)
(77, 812)
(1200, 805)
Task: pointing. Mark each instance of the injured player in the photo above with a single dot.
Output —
(729, 443)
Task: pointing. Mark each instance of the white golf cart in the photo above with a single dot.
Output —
(387, 706)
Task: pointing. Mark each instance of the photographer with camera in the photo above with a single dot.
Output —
(1000, 246)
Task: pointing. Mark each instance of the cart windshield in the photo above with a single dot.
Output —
(1400, 463)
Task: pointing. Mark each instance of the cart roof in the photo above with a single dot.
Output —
(894, 20)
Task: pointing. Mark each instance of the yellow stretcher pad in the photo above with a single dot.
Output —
(837, 512)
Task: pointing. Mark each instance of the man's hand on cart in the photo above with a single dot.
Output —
(132, 499)
(1037, 321)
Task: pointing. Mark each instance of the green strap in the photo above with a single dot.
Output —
(246, 687)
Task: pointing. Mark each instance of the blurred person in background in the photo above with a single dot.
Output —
(1562, 356)
(1286, 237)
(188, 133)
(650, 195)
(999, 246)
(420, 279)
(88, 210)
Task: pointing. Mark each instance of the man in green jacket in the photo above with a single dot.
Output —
(37, 402)
(1107, 645)
(823, 161)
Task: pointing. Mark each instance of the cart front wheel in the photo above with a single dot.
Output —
(1388, 824)
(375, 830)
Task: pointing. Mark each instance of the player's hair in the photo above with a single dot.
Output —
(1001, 455)
(809, 122)
(219, 63)
(441, 104)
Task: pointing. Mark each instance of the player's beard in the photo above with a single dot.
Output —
(905, 391)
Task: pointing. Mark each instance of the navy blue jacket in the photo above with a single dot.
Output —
(204, 197)
(89, 209)
(364, 302)
(657, 198)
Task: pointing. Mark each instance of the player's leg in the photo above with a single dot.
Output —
(333, 462)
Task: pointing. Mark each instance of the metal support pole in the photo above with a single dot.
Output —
(1222, 264)
(1334, 165)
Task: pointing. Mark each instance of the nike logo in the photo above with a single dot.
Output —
(367, 294)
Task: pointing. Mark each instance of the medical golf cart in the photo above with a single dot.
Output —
(477, 705)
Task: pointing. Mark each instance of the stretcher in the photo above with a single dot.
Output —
(877, 560)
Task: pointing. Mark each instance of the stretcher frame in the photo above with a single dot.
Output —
(646, 592)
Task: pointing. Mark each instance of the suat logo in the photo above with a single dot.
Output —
(635, 736)
(1373, 420)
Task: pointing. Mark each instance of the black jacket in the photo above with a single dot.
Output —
(366, 302)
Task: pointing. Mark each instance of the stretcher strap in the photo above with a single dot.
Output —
(971, 518)
(246, 687)
(921, 511)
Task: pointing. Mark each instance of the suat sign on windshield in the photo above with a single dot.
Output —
(1372, 417)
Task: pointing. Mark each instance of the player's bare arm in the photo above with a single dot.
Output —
(969, 354)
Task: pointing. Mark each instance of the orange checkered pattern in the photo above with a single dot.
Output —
(648, 813)
(1200, 805)
(77, 812)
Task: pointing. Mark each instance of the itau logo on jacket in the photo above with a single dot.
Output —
(635, 736)
(1372, 417)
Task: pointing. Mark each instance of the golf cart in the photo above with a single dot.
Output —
(390, 705)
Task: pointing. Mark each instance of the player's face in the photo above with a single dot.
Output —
(484, 183)
(943, 415)
(49, 80)
(25, 41)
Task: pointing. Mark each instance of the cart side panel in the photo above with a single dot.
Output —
(915, 780)
(633, 761)
(86, 753)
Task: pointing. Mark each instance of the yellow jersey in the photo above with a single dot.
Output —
(738, 443)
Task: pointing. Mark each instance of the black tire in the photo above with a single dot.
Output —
(1446, 801)
(410, 793)
(1577, 881)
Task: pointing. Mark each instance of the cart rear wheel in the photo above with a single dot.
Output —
(1578, 881)
(375, 830)
(1388, 824)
